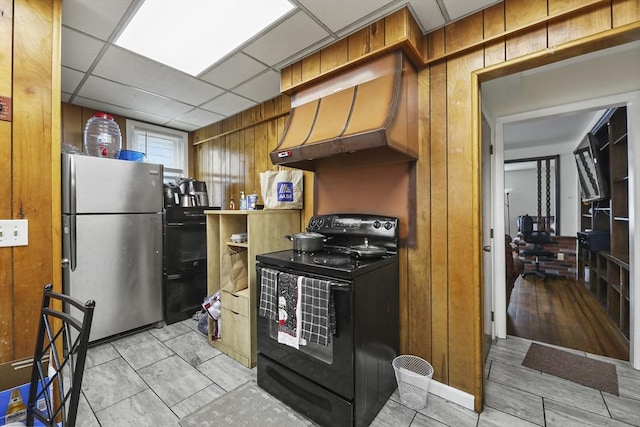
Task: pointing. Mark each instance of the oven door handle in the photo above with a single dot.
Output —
(185, 224)
(181, 276)
(340, 285)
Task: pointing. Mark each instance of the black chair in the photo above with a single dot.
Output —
(59, 358)
(538, 239)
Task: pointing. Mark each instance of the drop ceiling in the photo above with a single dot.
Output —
(99, 75)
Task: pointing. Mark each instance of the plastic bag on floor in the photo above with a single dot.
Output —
(203, 325)
(212, 306)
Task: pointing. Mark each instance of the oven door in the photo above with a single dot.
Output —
(185, 246)
(330, 366)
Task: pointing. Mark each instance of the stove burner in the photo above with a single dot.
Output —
(306, 253)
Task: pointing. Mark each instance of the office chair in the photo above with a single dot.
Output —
(538, 239)
(61, 350)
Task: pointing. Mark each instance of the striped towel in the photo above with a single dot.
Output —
(314, 306)
(289, 310)
(268, 294)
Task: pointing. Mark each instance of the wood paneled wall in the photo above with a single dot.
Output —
(398, 30)
(441, 300)
(229, 155)
(30, 168)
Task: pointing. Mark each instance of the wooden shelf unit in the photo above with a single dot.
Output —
(619, 184)
(606, 273)
(265, 233)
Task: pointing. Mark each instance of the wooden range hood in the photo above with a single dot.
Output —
(365, 115)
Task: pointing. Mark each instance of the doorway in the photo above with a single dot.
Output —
(525, 106)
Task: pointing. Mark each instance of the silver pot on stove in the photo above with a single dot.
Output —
(307, 241)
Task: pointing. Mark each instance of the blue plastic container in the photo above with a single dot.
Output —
(134, 156)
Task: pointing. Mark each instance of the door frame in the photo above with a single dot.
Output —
(632, 101)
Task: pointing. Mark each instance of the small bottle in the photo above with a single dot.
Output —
(16, 411)
(243, 201)
(232, 204)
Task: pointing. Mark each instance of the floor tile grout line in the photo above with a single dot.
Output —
(187, 362)
(121, 400)
(490, 370)
(554, 400)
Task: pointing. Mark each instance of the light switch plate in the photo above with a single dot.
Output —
(14, 232)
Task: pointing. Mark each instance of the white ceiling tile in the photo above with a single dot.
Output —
(129, 97)
(459, 8)
(261, 88)
(349, 11)
(228, 104)
(65, 96)
(428, 14)
(293, 35)
(71, 79)
(199, 117)
(130, 113)
(233, 71)
(78, 50)
(149, 75)
(95, 17)
(177, 124)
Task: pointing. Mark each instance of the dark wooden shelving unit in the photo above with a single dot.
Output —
(606, 273)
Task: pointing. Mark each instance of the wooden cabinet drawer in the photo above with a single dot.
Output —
(236, 331)
(237, 302)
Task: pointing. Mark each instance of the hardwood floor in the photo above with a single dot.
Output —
(563, 312)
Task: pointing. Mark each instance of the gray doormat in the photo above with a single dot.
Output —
(247, 405)
(579, 369)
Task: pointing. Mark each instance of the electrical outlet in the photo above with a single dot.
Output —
(560, 256)
(14, 232)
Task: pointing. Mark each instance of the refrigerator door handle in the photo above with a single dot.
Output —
(73, 249)
(72, 186)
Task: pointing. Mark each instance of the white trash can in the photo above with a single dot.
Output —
(413, 375)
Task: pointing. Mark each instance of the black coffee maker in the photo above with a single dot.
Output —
(171, 194)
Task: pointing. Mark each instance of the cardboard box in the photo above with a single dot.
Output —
(15, 375)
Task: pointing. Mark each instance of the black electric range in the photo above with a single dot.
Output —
(346, 382)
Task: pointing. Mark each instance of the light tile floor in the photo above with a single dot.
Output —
(156, 377)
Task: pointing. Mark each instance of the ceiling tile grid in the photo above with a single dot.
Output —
(122, 66)
(86, 50)
(228, 104)
(233, 71)
(97, 18)
(98, 74)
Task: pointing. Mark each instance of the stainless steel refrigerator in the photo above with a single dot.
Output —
(112, 240)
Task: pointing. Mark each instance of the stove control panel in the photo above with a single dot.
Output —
(355, 225)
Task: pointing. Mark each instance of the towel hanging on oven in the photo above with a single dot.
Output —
(289, 318)
(314, 302)
(317, 308)
(268, 293)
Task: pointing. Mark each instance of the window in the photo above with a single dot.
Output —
(161, 145)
